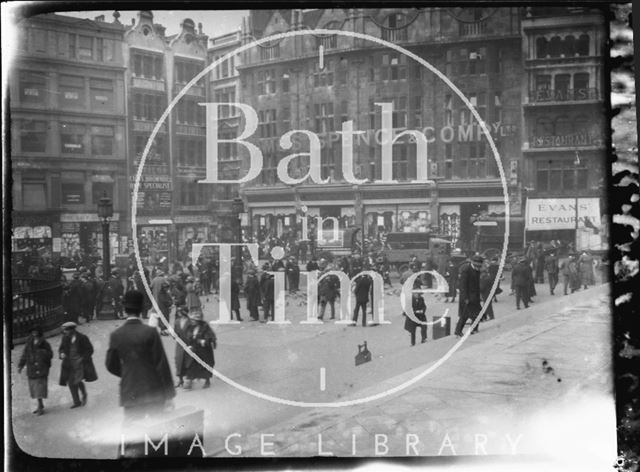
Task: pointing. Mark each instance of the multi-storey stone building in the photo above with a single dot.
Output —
(316, 82)
(292, 88)
(68, 135)
(223, 88)
(564, 145)
(172, 211)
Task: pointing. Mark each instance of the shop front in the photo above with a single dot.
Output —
(81, 237)
(189, 230)
(34, 245)
(570, 220)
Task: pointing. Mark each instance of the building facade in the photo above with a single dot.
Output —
(172, 212)
(564, 145)
(68, 136)
(316, 82)
(223, 88)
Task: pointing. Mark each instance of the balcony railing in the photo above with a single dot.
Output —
(327, 42)
(269, 52)
(563, 95)
(473, 29)
(147, 83)
(391, 34)
(195, 90)
(567, 140)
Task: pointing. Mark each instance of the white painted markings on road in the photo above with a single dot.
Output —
(323, 379)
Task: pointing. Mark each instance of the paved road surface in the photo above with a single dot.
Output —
(286, 362)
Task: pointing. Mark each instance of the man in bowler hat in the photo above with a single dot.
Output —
(137, 356)
(469, 304)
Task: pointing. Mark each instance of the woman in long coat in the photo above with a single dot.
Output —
(201, 341)
(181, 327)
(192, 299)
(77, 365)
(37, 357)
(587, 274)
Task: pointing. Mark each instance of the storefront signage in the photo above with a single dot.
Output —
(179, 220)
(447, 134)
(84, 218)
(560, 213)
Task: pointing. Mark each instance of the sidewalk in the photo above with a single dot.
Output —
(520, 390)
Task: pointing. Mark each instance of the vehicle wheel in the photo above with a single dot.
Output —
(402, 268)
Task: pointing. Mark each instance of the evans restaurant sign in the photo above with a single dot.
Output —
(560, 213)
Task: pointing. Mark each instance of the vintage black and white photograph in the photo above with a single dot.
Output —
(295, 233)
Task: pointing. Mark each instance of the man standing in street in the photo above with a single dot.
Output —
(361, 290)
(469, 304)
(328, 291)
(252, 292)
(552, 271)
(521, 277)
(75, 352)
(136, 355)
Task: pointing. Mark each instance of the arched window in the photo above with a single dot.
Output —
(542, 46)
(569, 46)
(582, 46)
(555, 47)
(562, 126)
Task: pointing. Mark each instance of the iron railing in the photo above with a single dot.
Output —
(35, 302)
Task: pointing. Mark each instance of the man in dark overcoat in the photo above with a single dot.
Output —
(361, 290)
(328, 291)
(89, 293)
(252, 292)
(136, 355)
(77, 365)
(293, 274)
(553, 269)
(521, 277)
(115, 292)
(469, 301)
(74, 298)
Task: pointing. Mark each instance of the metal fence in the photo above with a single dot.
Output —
(36, 302)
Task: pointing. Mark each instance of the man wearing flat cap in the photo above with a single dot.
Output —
(77, 366)
(137, 356)
(469, 304)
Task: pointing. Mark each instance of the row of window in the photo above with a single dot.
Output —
(74, 138)
(385, 67)
(555, 175)
(68, 45)
(568, 46)
(407, 112)
(74, 92)
(34, 193)
(563, 125)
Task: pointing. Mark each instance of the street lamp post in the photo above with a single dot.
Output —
(576, 163)
(237, 206)
(105, 212)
